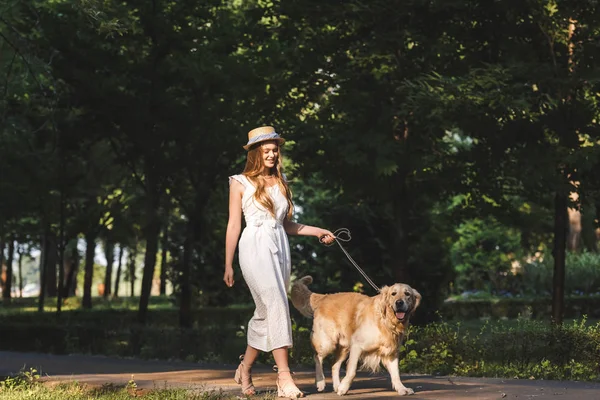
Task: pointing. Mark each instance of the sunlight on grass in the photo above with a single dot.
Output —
(23, 389)
(475, 325)
(30, 304)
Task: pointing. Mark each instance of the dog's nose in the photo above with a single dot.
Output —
(399, 303)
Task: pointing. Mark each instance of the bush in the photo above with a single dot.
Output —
(483, 254)
(582, 274)
(527, 349)
(514, 348)
(25, 379)
(510, 308)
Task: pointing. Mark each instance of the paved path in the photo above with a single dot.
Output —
(96, 370)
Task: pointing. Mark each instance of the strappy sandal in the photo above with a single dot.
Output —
(243, 376)
(286, 386)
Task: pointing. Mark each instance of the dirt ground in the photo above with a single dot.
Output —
(97, 370)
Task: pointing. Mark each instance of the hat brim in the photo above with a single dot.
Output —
(280, 141)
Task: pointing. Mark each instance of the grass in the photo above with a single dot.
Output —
(30, 304)
(75, 391)
(475, 326)
(27, 385)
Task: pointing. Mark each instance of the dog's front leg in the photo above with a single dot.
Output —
(355, 352)
(393, 369)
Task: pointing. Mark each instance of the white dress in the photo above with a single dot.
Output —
(264, 255)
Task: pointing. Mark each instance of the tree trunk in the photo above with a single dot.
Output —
(185, 286)
(559, 252)
(51, 263)
(110, 258)
(118, 274)
(588, 226)
(151, 232)
(2, 270)
(68, 288)
(163, 261)
(132, 267)
(43, 263)
(7, 289)
(20, 252)
(90, 250)
(399, 246)
(61, 244)
(71, 268)
(568, 138)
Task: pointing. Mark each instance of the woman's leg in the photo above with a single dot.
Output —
(285, 383)
(250, 356)
(281, 358)
(243, 374)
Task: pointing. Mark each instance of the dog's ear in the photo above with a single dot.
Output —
(384, 291)
(417, 297)
(382, 300)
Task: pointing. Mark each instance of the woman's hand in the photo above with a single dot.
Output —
(228, 276)
(325, 236)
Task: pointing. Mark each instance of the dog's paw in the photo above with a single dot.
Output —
(342, 389)
(320, 386)
(404, 391)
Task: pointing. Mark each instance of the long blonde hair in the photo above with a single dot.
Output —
(254, 168)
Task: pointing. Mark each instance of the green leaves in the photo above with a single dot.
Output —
(403, 120)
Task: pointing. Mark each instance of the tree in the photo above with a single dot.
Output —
(527, 109)
(353, 66)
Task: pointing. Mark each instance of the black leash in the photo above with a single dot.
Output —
(343, 234)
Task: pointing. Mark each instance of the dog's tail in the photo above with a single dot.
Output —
(303, 299)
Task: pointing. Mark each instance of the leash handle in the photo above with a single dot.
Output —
(343, 235)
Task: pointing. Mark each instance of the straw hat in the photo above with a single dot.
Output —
(263, 134)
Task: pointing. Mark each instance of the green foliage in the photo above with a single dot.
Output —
(25, 379)
(582, 274)
(482, 255)
(484, 305)
(25, 306)
(510, 348)
(435, 352)
(80, 331)
(524, 349)
(119, 119)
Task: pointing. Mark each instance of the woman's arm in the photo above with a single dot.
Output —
(294, 228)
(234, 227)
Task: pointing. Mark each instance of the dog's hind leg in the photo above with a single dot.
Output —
(319, 375)
(340, 357)
(323, 346)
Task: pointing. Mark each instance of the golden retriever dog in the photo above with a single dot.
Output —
(357, 327)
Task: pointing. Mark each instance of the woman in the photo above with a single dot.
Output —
(262, 194)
